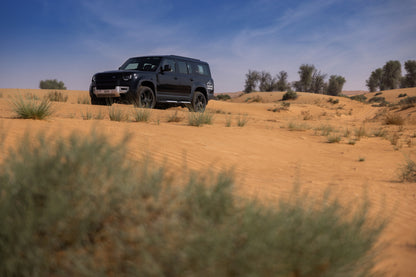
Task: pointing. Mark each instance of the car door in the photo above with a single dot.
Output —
(184, 79)
(167, 79)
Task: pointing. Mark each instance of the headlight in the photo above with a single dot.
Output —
(127, 77)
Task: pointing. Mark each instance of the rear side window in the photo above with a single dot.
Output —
(182, 67)
(201, 69)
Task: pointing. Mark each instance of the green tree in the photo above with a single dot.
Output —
(392, 75)
(410, 77)
(267, 83)
(306, 77)
(335, 85)
(52, 84)
(375, 81)
(282, 83)
(318, 84)
(252, 79)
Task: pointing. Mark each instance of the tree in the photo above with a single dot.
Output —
(305, 73)
(267, 83)
(410, 77)
(375, 80)
(282, 83)
(392, 74)
(335, 85)
(318, 84)
(252, 78)
(52, 84)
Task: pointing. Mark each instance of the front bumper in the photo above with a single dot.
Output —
(116, 92)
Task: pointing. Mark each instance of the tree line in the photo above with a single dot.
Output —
(310, 80)
(390, 76)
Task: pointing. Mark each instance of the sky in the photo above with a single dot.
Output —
(70, 40)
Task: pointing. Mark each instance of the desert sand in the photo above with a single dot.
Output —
(276, 147)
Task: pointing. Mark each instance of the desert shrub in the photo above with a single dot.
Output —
(284, 106)
(255, 99)
(408, 100)
(56, 96)
(333, 101)
(402, 95)
(378, 99)
(51, 84)
(290, 95)
(141, 115)
(306, 115)
(174, 117)
(78, 207)
(324, 129)
(360, 98)
(393, 119)
(199, 119)
(408, 171)
(334, 139)
(116, 114)
(32, 109)
(222, 97)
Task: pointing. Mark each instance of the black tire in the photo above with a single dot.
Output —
(199, 102)
(145, 98)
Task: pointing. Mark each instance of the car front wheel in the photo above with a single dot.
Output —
(145, 98)
(199, 102)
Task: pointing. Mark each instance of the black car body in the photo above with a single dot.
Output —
(155, 81)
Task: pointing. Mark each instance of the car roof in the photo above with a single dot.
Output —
(173, 57)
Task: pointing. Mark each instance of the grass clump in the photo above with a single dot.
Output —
(116, 114)
(141, 115)
(56, 96)
(32, 109)
(78, 207)
(333, 139)
(408, 171)
(242, 120)
(199, 119)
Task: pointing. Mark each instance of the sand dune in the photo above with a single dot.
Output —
(276, 147)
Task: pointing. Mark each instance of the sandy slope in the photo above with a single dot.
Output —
(271, 152)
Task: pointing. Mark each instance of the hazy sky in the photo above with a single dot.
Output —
(69, 40)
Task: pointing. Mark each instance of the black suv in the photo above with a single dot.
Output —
(155, 81)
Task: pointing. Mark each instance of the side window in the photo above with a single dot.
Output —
(182, 67)
(169, 62)
(201, 69)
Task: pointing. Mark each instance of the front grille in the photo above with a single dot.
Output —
(109, 80)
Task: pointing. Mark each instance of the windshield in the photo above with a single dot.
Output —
(142, 64)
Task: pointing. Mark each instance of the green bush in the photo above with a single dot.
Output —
(360, 98)
(222, 97)
(57, 96)
(290, 95)
(32, 109)
(78, 207)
